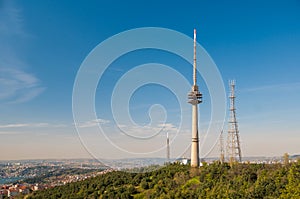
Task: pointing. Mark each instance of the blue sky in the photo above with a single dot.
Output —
(43, 44)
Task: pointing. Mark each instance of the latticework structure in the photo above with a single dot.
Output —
(233, 140)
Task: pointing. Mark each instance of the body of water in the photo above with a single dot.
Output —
(9, 180)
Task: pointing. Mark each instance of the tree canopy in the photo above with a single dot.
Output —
(179, 181)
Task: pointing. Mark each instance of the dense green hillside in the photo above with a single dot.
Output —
(178, 181)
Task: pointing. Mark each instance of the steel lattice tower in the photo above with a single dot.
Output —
(233, 141)
(168, 148)
(222, 155)
(195, 98)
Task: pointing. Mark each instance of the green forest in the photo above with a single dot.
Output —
(181, 181)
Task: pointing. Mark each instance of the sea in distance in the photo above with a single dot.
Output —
(9, 180)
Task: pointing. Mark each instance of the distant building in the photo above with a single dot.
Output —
(12, 193)
(184, 161)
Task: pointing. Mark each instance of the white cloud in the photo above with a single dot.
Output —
(147, 130)
(30, 125)
(13, 125)
(92, 123)
(168, 127)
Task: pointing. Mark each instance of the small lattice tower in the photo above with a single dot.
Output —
(168, 148)
(233, 140)
(222, 151)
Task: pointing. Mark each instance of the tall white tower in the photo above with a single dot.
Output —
(195, 98)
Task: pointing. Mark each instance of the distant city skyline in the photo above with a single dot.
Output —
(43, 44)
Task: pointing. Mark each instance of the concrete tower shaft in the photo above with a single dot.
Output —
(195, 98)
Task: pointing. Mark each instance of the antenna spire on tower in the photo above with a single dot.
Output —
(195, 62)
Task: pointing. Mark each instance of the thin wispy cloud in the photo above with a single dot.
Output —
(168, 127)
(13, 125)
(92, 123)
(16, 85)
(148, 130)
(10, 133)
(11, 19)
(275, 87)
(30, 125)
